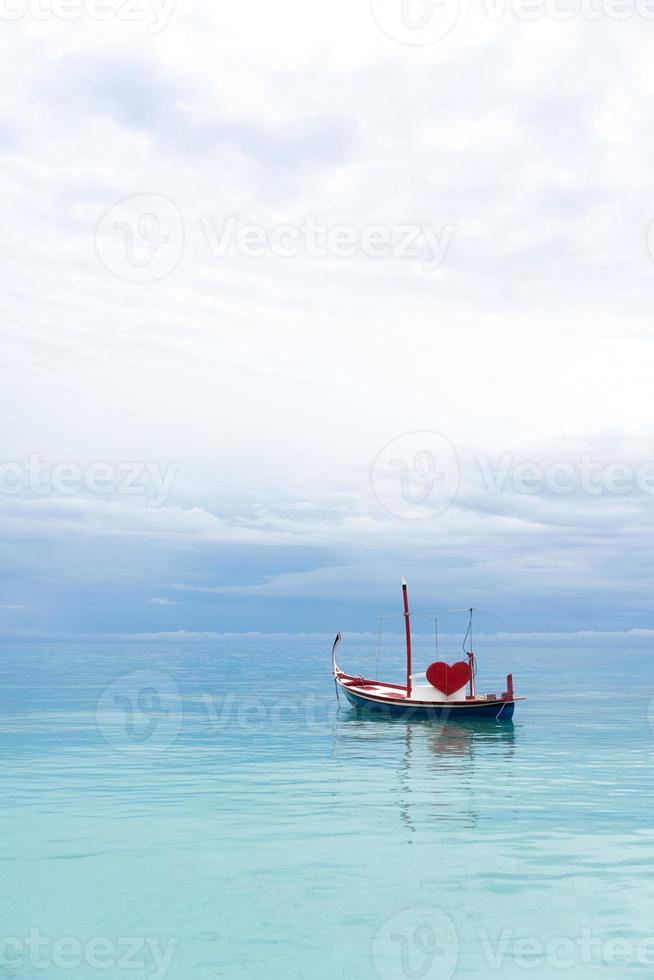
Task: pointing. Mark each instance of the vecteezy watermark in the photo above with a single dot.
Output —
(154, 14)
(141, 239)
(146, 954)
(587, 950)
(416, 475)
(423, 944)
(40, 477)
(416, 21)
(419, 22)
(584, 474)
(314, 239)
(143, 710)
(257, 716)
(650, 714)
(140, 711)
(417, 944)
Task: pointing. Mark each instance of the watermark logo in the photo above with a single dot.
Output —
(416, 22)
(563, 477)
(141, 239)
(587, 951)
(418, 944)
(65, 953)
(416, 475)
(315, 239)
(140, 711)
(422, 944)
(255, 716)
(40, 477)
(154, 14)
(420, 22)
(650, 714)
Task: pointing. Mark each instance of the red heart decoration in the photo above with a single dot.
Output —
(448, 678)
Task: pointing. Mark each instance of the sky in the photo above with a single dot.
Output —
(297, 299)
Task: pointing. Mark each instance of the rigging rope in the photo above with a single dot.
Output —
(471, 656)
(379, 642)
(468, 631)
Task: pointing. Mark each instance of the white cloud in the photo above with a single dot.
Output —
(275, 382)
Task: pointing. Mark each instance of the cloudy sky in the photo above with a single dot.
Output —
(299, 298)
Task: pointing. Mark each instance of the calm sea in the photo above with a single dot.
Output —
(203, 810)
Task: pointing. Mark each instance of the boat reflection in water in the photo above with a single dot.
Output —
(437, 772)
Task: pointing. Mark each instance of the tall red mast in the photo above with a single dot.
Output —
(407, 626)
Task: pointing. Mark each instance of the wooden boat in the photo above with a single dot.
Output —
(444, 691)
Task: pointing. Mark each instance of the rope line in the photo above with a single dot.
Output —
(379, 643)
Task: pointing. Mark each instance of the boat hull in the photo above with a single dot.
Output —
(487, 710)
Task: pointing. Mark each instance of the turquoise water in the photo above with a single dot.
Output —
(205, 811)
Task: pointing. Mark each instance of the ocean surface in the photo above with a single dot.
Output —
(205, 809)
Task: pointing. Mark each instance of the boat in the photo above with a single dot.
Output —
(444, 691)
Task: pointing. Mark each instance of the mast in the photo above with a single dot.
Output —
(407, 627)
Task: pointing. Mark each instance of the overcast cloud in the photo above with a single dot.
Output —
(490, 283)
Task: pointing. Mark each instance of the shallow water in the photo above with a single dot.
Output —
(205, 811)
